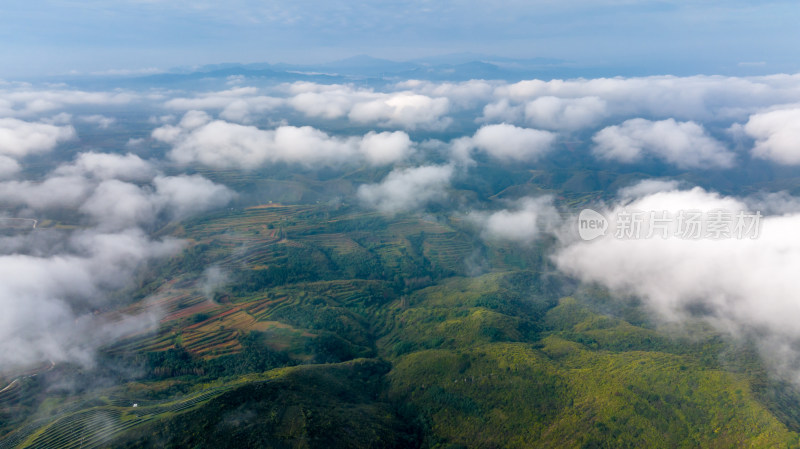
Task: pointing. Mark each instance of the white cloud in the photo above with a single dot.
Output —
(565, 114)
(162, 119)
(218, 144)
(167, 133)
(119, 195)
(385, 148)
(774, 203)
(116, 191)
(408, 188)
(8, 167)
(315, 101)
(239, 104)
(185, 195)
(503, 111)
(523, 223)
(54, 192)
(558, 105)
(742, 285)
(129, 167)
(548, 112)
(404, 109)
(698, 98)
(647, 187)
(62, 118)
(101, 121)
(464, 95)
(46, 300)
(19, 138)
(116, 204)
(777, 135)
(510, 143)
(222, 144)
(24, 101)
(50, 284)
(194, 119)
(683, 144)
(243, 110)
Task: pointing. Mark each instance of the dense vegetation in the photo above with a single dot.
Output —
(339, 328)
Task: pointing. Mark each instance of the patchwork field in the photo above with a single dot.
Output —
(322, 318)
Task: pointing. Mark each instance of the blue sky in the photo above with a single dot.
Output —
(57, 36)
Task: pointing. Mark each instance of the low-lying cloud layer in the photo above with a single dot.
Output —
(408, 188)
(48, 300)
(683, 144)
(777, 135)
(507, 143)
(22, 100)
(19, 138)
(51, 280)
(524, 222)
(678, 120)
(402, 109)
(743, 286)
(424, 134)
(220, 144)
(737, 275)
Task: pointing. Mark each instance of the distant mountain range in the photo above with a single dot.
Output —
(370, 70)
(363, 68)
(461, 65)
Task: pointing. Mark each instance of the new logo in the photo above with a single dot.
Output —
(591, 224)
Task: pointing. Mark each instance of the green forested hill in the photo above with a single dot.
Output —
(338, 328)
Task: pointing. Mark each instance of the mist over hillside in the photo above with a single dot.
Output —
(404, 224)
(184, 224)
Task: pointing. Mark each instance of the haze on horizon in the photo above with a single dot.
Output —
(55, 37)
(270, 251)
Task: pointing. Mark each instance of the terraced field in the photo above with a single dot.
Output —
(265, 237)
(97, 425)
(324, 318)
